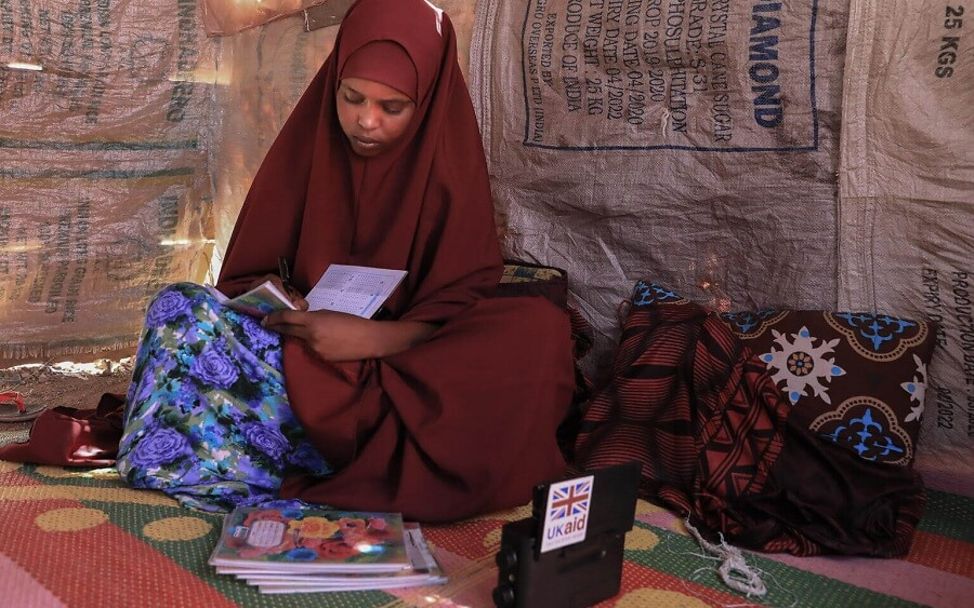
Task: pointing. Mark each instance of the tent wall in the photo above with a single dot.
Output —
(626, 142)
(104, 184)
(906, 198)
(815, 154)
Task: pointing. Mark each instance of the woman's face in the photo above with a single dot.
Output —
(373, 116)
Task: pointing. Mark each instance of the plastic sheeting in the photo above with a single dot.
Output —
(222, 17)
(267, 70)
(907, 198)
(693, 142)
(104, 188)
(125, 159)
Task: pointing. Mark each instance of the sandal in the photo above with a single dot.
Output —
(21, 412)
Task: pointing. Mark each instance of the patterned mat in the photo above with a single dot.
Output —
(81, 538)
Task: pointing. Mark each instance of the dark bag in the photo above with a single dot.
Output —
(67, 436)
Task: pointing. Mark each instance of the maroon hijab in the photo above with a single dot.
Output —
(423, 206)
(386, 62)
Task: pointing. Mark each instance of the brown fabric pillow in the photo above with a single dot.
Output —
(859, 379)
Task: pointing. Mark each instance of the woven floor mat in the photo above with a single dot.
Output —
(82, 538)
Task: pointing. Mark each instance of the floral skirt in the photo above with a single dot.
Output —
(207, 419)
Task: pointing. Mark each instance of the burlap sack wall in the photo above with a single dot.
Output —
(104, 189)
(223, 17)
(692, 142)
(907, 198)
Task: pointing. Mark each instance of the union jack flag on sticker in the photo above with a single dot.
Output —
(566, 514)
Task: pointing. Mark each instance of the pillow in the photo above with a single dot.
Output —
(857, 378)
(526, 279)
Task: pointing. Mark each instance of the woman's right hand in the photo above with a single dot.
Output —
(295, 296)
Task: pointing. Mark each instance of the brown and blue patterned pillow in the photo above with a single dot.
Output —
(858, 378)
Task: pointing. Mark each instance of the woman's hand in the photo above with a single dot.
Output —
(295, 296)
(336, 336)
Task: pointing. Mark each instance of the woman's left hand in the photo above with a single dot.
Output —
(336, 336)
(333, 336)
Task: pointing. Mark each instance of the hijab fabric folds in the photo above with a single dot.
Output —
(397, 427)
(386, 62)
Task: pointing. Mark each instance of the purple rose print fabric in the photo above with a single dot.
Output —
(207, 419)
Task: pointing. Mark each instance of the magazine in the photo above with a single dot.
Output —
(292, 547)
(425, 571)
(258, 302)
(289, 536)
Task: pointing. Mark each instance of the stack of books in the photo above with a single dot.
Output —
(293, 547)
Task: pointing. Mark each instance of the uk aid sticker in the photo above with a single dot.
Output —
(566, 514)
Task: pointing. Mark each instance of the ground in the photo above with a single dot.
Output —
(71, 385)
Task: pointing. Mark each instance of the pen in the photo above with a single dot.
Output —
(283, 272)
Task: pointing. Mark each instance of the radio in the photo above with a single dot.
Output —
(568, 554)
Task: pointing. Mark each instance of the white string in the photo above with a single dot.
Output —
(733, 569)
(694, 577)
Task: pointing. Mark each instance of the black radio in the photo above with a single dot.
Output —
(568, 554)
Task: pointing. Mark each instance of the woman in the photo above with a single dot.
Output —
(447, 407)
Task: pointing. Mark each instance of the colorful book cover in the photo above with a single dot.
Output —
(425, 571)
(258, 302)
(288, 536)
